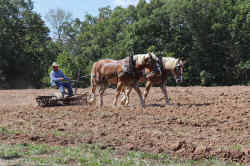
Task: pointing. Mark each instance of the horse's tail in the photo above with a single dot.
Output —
(93, 75)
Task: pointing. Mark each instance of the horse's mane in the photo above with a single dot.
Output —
(140, 57)
(169, 62)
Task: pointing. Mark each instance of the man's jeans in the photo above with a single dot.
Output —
(62, 85)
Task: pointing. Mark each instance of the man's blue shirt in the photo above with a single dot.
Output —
(55, 75)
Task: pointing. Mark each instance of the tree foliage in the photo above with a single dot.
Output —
(213, 36)
(25, 45)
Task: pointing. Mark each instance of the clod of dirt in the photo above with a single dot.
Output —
(35, 138)
(202, 149)
(177, 146)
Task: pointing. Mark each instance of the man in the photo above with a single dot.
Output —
(57, 78)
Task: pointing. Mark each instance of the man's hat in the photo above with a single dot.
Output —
(55, 64)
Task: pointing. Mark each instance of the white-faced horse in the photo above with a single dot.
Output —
(169, 65)
(108, 71)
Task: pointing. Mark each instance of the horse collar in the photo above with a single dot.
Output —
(161, 63)
(131, 63)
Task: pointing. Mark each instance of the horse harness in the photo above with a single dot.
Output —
(155, 71)
(131, 67)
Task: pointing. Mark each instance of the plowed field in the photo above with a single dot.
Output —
(201, 122)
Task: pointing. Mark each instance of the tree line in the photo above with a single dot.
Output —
(212, 36)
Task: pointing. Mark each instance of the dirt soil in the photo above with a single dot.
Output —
(201, 122)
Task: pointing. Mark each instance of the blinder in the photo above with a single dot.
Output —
(179, 71)
(178, 68)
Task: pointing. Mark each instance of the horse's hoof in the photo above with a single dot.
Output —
(123, 103)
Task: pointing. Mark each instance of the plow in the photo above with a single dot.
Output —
(53, 100)
(57, 100)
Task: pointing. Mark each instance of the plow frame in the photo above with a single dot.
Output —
(52, 100)
(76, 99)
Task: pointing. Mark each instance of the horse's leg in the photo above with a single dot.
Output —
(127, 93)
(164, 91)
(138, 91)
(125, 96)
(118, 91)
(92, 95)
(147, 88)
(102, 89)
(93, 89)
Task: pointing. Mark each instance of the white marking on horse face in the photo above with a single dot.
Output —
(178, 71)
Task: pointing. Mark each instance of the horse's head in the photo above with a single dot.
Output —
(178, 71)
(149, 60)
(175, 66)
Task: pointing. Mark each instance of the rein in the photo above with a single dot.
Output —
(131, 67)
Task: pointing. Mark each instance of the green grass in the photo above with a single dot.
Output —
(90, 155)
(4, 132)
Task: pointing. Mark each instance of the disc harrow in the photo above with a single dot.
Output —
(46, 101)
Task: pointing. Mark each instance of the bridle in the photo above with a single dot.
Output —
(179, 71)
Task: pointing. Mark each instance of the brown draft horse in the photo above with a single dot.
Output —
(168, 65)
(106, 72)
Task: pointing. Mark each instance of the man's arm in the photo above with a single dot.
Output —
(64, 76)
(53, 77)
